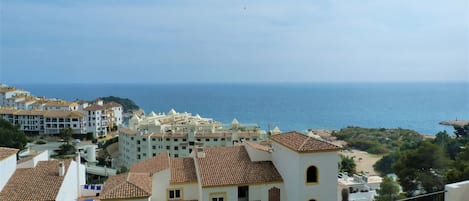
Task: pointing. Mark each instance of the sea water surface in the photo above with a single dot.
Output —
(417, 106)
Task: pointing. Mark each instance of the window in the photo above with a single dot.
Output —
(215, 139)
(138, 141)
(183, 147)
(184, 139)
(176, 148)
(168, 147)
(153, 139)
(174, 194)
(207, 139)
(312, 174)
(153, 147)
(144, 139)
(175, 139)
(217, 196)
(222, 139)
(312, 200)
(167, 139)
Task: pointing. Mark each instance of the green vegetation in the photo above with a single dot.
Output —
(388, 190)
(66, 134)
(41, 142)
(377, 140)
(127, 104)
(10, 136)
(347, 164)
(65, 149)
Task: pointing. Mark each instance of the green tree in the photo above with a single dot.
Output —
(461, 131)
(388, 190)
(423, 167)
(66, 134)
(10, 136)
(460, 167)
(347, 164)
(384, 165)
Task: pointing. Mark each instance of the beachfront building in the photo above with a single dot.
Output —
(60, 105)
(7, 92)
(38, 178)
(294, 167)
(44, 122)
(174, 121)
(101, 118)
(360, 187)
(179, 135)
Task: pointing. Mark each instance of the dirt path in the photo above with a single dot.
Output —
(364, 160)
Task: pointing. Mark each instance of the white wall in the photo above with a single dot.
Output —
(261, 192)
(43, 156)
(257, 155)
(457, 191)
(160, 182)
(231, 192)
(7, 167)
(73, 179)
(292, 166)
(287, 163)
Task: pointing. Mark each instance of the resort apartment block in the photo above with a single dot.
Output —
(38, 115)
(292, 167)
(178, 134)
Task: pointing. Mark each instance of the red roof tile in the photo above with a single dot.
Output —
(5, 152)
(302, 143)
(223, 166)
(129, 185)
(182, 170)
(152, 165)
(39, 183)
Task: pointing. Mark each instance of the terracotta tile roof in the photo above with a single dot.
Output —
(151, 165)
(7, 89)
(5, 152)
(127, 131)
(60, 103)
(302, 143)
(182, 170)
(4, 110)
(63, 113)
(111, 105)
(212, 135)
(232, 166)
(39, 183)
(94, 107)
(30, 112)
(248, 134)
(129, 185)
(258, 146)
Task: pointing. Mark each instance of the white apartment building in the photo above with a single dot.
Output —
(175, 121)
(296, 167)
(45, 122)
(101, 118)
(54, 105)
(38, 178)
(7, 92)
(136, 146)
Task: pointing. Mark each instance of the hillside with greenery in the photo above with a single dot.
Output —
(126, 103)
(425, 166)
(377, 140)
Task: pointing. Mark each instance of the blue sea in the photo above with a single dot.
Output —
(417, 106)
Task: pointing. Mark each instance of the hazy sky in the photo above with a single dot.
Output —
(109, 41)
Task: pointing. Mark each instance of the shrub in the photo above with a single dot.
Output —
(41, 142)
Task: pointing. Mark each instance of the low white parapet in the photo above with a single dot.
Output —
(457, 191)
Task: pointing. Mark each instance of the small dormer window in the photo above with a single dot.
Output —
(312, 174)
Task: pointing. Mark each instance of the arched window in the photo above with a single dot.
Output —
(312, 174)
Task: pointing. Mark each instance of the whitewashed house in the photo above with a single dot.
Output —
(40, 179)
(296, 167)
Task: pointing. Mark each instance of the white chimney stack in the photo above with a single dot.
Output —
(61, 169)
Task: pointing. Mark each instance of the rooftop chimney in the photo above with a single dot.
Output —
(200, 152)
(61, 169)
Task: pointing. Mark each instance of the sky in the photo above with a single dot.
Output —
(155, 41)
